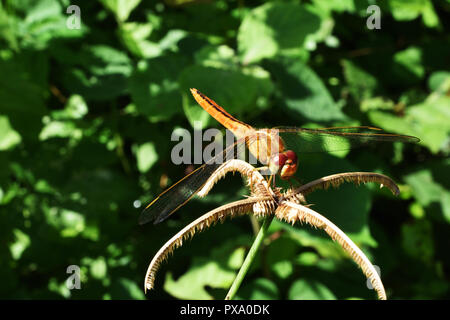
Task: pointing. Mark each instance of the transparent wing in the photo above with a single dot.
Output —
(178, 194)
(303, 140)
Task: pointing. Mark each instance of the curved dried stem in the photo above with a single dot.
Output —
(233, 209)
(293, 212)
(336, 180)
(255, 180)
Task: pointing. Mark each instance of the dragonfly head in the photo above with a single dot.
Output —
(284, 163)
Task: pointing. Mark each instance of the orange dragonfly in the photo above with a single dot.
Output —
(268, 146)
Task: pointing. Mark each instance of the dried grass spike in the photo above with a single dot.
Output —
(233, 165)
(229, 210)
(336, 180)
(292, 212)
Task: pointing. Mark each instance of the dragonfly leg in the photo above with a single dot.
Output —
(270, 180)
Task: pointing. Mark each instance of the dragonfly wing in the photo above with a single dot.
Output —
(305, 140)
(177, 195)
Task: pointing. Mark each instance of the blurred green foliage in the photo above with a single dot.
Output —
(86, 117)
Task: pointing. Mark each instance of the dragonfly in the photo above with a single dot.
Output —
(276, 148)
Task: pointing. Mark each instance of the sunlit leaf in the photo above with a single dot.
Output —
(259, 289)
(121, 8)
(273, 27)
(8, 136)
(310, 290)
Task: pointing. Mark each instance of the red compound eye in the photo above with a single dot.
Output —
(291, 155)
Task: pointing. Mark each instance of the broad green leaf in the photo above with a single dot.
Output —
(428, 191)
(60, 129)
(303, 92)
(202, 272)
(146, 156)
(22, 92)
(154, 87)
(8, 136)
(428, 121)
(259, 289)
(134, 36)
(21, 243)
(280, 256)
(417, 240)
(124, 288)
(411, 9)
(362, 84)
(68, 222)
(98, 268)
(216, 57)
(408, 63)
(98, 72)
(121, 8)
(303, 289)
(76, 107)
(215, 270)
(238, 92)
(335, 5)
(44, 22)
(273, 27)
(351, 216)
(439, 80)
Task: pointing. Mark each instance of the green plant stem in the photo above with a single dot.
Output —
(249, 258)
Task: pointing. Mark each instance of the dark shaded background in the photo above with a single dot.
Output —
(86, 117)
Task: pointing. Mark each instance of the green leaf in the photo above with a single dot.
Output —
(60, 129)
(280, 256)
(124, 288)
(408, 64)
(335, 5)
(238, 92)
(22, 92)
(21, 243)
(362, 84)
(303, 92)
(68, 222)
(121, 8)
(146, 156)
(273, 27)
(417, 240)
(202, 272)
(351, 216)
(44, 22)
(154, 87)
(216, 57)
(98, 268)
(259, 289)
(134, 36)
(427, 191)
(303, 289)
(438, 80)
(76, 107)
(428, 121)
(410, 10)
(98, 72)
(8, 136)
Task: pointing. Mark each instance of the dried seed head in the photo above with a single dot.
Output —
(292, 212)
(234, 209)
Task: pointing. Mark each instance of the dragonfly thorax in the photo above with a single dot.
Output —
(265, 143)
